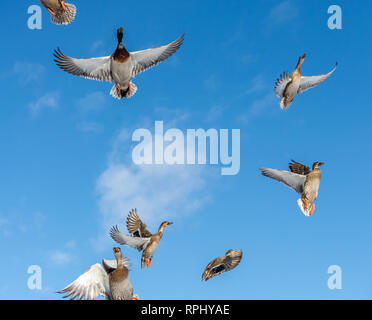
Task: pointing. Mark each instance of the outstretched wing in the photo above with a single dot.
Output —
(299, 168)
(312, 81)
(142, 60)
(293, 180)
(91, 68)
(89, 285)
(281, 84)
(136, 227)
(133, 242)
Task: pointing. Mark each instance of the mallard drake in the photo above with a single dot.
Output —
(111, 280)
(140, 238)
(222, 264)
(302, 179)
(62, 12)
(119, 67)
(286, 87)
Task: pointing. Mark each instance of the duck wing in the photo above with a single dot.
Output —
(142, 60)
(111, 265)
(91, 68)
(293, 180)
(136, 227)
(281, 84)
(312, 81)
(133, 242)
(221, 265)
(89, 285)
(299, 168)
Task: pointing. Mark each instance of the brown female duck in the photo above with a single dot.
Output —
(140, 238)
(111, 280)
(222, 264)
(62, 12)
(286, 87)
(302, 179)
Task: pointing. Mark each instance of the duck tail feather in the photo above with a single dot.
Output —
(132, 91)
(284, 106)
(114, 92)
(305, 211)
(65, 17)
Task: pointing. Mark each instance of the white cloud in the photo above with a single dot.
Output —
(48, 101)
(159, 192)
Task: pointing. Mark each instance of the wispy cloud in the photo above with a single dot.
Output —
(47, 101)
(27, 72)
(60, 257)
(90, 127)
(92, 102)
(283, 12)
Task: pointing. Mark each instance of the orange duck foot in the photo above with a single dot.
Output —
(119, 93)
(312, 209)
(135, 298)
(304, 200)
(51, 11)
(63, 5)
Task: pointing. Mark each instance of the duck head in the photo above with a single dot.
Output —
(164, 224)
(231, 252)
(301, 60)
(117, 253)
(120, 34)
(317, 164)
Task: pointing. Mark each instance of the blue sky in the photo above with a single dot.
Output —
(67, 176)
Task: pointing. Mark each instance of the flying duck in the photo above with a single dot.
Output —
(111, 280)
(140, 238)
(119, 67)
(286, 87)
(62, 12)
(302, 179)
(222, 264)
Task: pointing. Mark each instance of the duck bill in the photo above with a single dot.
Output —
(321, 163)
